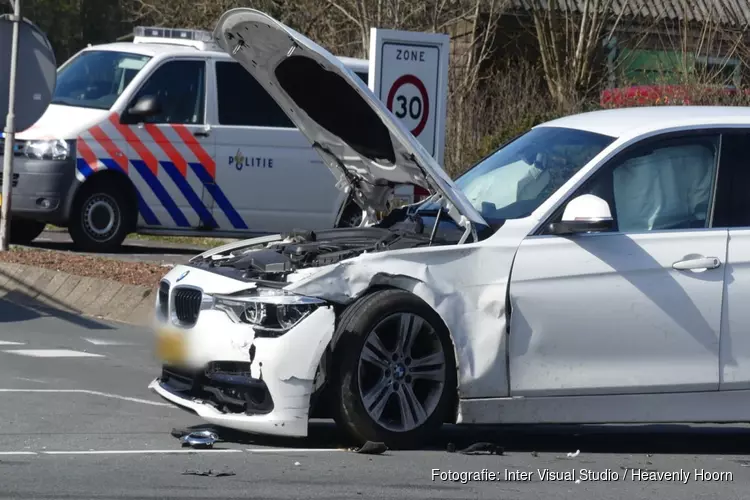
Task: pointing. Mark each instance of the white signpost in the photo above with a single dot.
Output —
(409, 73)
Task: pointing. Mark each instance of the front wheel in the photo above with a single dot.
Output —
(100, 218)
(396, 370)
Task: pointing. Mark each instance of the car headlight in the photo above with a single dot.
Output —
(56, 149)
(271, 312)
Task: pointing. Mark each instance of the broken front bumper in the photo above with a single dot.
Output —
(230, 377)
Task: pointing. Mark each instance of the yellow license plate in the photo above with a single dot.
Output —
(170, 346)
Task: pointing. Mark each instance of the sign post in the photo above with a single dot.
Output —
(28, 77)
(409, 73)
(10, 132)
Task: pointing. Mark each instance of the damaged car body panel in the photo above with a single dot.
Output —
(369, 154)
(255, 334)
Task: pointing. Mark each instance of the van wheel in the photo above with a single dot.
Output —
(24, 231)
(396, 375)
(101, 217)
(352, 216)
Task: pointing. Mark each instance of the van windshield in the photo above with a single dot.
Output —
(517, 178)
(96, 78)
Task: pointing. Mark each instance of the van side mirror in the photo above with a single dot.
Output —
(144, 107)
(585, 214)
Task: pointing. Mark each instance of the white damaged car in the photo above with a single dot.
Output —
(582, 273)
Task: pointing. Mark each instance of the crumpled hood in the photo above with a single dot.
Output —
(366, 147)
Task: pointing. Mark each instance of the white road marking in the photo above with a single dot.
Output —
(92, 393)
(136, 452)
(54, 353)
(106, 342)
(7, 342)
(290, 450)
(30, 380)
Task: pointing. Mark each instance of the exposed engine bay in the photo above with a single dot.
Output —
(272, 262)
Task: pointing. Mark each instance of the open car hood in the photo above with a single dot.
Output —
(368, 150)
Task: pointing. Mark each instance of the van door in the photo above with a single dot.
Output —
(272, 178)
(173, 151)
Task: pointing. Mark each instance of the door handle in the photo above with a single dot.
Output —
(696, 264)
(202, 133)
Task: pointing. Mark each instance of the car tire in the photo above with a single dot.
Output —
(24, 231)
(371, 398)
(101, 217)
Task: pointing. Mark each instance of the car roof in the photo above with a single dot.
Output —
(626, 121)
(158, 49)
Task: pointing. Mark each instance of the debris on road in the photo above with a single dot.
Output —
(297, 463)
(371, 448)
(130, 273)
(178, 433)
(573, 455)
(209, 472)
(199, 439)
(478, 449)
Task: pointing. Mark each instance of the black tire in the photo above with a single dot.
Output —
(101, 217)
(352, 333)
(24, 231)
(351, 217)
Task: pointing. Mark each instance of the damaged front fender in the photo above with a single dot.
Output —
(466, 285)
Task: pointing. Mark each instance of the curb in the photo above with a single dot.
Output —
(100, 298)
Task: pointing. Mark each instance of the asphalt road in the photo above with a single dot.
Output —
(77, 422)
(133, 249)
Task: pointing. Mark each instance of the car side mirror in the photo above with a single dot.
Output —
(144, 107)
(585, 214)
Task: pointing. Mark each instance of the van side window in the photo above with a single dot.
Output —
(243, 101)
(179, 87)
(363, 76)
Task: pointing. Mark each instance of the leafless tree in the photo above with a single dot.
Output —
(570, 42)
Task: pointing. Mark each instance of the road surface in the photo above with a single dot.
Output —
(77, 422)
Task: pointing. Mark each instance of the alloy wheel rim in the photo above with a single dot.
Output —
(402, 372)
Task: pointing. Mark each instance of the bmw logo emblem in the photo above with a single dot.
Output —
(182, 276)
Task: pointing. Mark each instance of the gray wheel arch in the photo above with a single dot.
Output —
(105, 176)
(384, 281)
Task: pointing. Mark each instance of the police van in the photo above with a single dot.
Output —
(168, 135)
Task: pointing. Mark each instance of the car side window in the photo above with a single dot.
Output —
(666, 184)
(732, 207)
(243, 101)
(179, 87)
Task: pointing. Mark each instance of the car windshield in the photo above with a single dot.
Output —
(96, 78)
(517, 178)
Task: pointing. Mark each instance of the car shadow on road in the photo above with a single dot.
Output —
(16, 307)
(597, 439)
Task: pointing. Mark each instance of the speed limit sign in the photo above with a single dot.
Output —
(411, 104)
(409, 72)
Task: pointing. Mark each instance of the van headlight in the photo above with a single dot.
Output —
(271, 312)
(56, 149)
